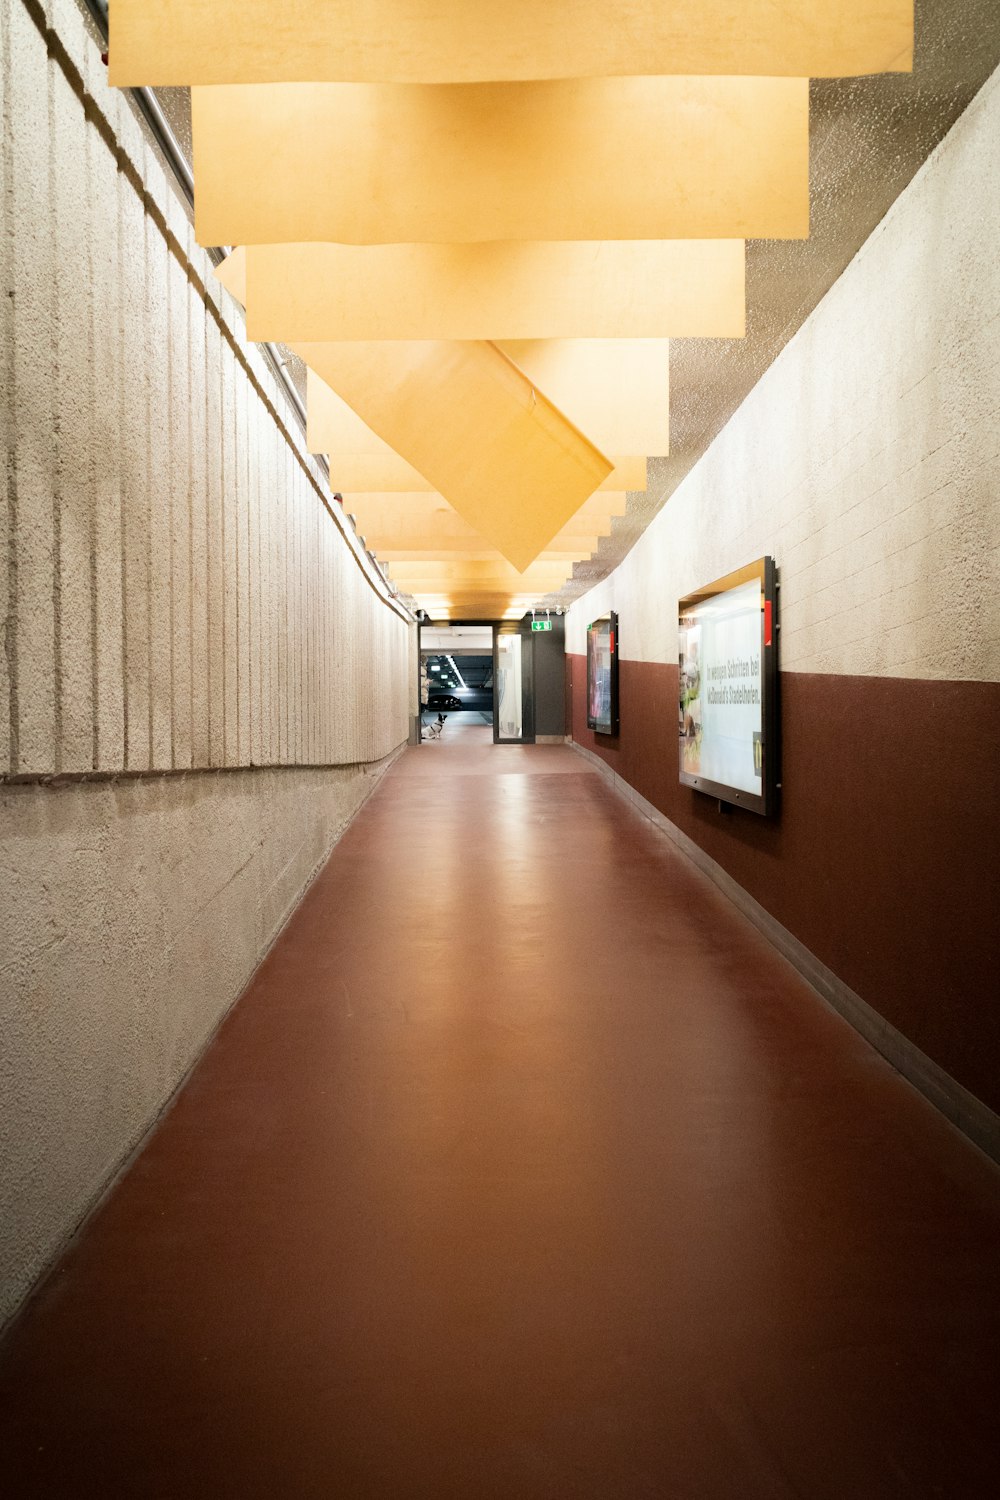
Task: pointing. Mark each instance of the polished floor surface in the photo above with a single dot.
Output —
(523, 1169)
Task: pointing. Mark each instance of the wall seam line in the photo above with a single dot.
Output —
(10, 641)
(76, 778)
(93, 481)
(171, 549)
(148, 537)
(122, 505)
(55, 417)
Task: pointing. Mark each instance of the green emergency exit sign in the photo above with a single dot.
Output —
(541, 624)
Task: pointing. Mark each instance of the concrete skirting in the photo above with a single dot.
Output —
(969, 1114)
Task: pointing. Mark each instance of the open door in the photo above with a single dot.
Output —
(513, 718)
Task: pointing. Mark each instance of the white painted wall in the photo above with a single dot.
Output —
(174, 598)
(866, 460)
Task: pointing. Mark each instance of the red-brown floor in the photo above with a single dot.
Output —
(524, 1169)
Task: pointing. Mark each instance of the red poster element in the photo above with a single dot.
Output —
(767, 622)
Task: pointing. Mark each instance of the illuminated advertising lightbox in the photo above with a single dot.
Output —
(728, 721)
(602, 675)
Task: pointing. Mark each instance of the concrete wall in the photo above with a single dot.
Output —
(866, 462)
(179, 604)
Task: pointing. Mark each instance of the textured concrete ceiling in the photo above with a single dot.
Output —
(868, 138)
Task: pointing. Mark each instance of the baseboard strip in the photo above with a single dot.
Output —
(969, 1114)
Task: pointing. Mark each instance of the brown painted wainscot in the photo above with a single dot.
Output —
(884, 860)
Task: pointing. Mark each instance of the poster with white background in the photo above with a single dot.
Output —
(721, 689)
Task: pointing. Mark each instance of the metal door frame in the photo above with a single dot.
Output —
(515, 627)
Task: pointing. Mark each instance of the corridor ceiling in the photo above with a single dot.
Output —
(447, 208)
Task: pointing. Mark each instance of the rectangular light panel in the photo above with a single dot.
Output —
(467, 419)
(468, 41)
(507, 289)
(580, 159)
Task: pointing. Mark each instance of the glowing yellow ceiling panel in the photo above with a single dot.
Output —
(479, 578)
(489, 577)
(358, 472)
(360, 461)
(610, 158)
(567, 555)
(334, 427)
(232, 272)
(433, 548)
(445, 537)
(568, 545)
(616, 391)
(423, 505)
(403, 520)
(352, 473)
(468, 41)
(507, 289)
(467, 419)
(477, 608)
(402, 382)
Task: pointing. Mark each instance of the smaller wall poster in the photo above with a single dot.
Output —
(602, 675)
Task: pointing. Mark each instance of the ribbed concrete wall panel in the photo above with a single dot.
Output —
(158, 376)
(7, 489)
(176, 494)
(152, 491)
(73, 489)
(175, 596)
(227, 559)
(198, 529)
(31, 623)
(136, 496)
(106, 459)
